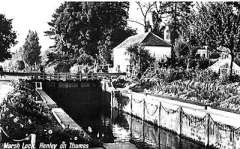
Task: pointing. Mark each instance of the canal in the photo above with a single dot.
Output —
(90, 107)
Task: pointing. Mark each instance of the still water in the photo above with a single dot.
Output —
(111, 125)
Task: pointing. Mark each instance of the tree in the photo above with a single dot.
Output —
(145, 9)
(85, 59)
(7, 37)
(78, 26)
(140, 57)
(216, 24)
(176, 13)
(184, 51)
(32, 49)
(20, 65)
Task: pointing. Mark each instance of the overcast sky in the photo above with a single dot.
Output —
(34, 15)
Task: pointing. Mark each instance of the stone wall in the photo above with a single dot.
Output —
(200, 123)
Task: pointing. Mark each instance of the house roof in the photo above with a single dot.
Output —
(223, 63)
(146, 39)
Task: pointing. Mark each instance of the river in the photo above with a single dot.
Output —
(113, 126)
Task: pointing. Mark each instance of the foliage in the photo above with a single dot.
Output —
(85, 59)
(82, 26)
(7, 37)
(177, 12)
(20, 65)
(32, 49)
(215, 24)
(104, 50)
(140, 57)
(204, 63)
(184, 49)
(214, 55)
(119, 83)
(201, 87)
(24, 113)
(63, 66)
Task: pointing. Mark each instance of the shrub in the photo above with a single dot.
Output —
(62, 67)
(120, 83)
(85, 59)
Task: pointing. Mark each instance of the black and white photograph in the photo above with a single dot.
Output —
(119, 74)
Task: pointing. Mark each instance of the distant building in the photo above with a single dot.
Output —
(224, 62)
(158, 47)
(203, 52)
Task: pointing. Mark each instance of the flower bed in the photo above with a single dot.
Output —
(203, 87)
(24, 113)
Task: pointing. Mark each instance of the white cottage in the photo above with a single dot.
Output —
(158, 47)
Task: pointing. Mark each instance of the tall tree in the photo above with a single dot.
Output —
(78, 26)
(216, 24)
(32, 49)
(175, 12)
(7, 37)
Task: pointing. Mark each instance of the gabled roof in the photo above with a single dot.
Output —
(146, 39)
(223, 63)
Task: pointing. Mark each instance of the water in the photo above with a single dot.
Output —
(110, 125)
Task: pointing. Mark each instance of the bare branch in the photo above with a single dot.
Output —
(135, 22)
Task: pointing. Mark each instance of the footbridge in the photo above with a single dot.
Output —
(38, 76)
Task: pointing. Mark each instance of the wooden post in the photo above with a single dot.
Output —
(207, 129)
(131, 98)
(58, 76)
(233, 139)
(131, 127)
(180, 121)
(112, 99)
(159, 137)
(159, 124)
(111, 104)
(159, 114)
(66, 76)
(143, 119)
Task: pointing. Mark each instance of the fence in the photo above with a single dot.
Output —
(194, 123)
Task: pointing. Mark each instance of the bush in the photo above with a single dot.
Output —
(23, 114)
(85, 59)
(120, 83)
(62, 67)
(20, 65)
(204, 63)
(214, 55)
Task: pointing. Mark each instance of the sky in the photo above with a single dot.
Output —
(34, 15)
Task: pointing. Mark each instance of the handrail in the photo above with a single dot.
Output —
(62, 76)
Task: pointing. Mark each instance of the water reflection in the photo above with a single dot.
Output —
(111, 125)
(116, 126)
